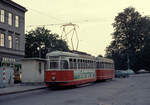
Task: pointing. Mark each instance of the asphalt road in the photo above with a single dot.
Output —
(134, 90)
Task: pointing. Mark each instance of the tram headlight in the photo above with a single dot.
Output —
(53, 78)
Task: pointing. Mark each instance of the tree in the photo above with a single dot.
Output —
(128, 38)
(144, 54)
(41, 41)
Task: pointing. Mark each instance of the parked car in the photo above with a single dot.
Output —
(121, 74)
(130, 72)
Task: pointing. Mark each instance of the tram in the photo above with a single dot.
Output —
(71, 69)
(104, 69)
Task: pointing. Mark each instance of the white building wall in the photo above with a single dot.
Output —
(30, 71)
(39, 74)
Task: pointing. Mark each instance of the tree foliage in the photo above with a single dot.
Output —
(130, 39)
(41, 41)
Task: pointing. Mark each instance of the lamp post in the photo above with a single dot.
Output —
(39, 48)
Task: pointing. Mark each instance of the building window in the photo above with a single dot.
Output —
(17, 42)
(2, 40)
(9, 41)
(17, 21)
(10, 18)
(2, 16)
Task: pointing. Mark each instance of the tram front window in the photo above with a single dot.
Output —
(54, 65)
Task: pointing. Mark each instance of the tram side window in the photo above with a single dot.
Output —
(110, 65)
(64, 64)
(71, 63)
(79, 63)
(53, 65)
(94, 64)
(86, 64)
(105, 65)
(97, 65)
(90, 64)
(82, 64)
(101, 64)
(75, 64)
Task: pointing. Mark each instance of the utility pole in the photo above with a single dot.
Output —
(128, 61)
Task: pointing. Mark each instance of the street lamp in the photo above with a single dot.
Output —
(39, 48)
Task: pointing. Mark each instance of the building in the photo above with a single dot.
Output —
(12, 29)
(12, 40)
(33, 70)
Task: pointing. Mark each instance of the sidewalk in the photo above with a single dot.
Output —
(20, 88)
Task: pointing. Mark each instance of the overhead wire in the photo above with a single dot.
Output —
(55, 18)
(40, 12)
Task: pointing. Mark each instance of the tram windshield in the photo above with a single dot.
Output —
(54, 65)
(62, 64)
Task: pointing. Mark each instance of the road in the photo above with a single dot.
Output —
(134, 90)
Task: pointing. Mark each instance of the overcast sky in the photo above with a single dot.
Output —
(94, 18)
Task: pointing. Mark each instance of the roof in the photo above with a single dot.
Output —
(12, 3)
(61, 53)
(69, 54)
(101, 59)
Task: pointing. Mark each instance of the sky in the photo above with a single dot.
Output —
(94, 19)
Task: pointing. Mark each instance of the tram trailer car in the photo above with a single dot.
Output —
(104, 69)
(70, 69)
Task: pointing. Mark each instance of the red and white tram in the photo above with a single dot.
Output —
(65, 68)
(69, 69)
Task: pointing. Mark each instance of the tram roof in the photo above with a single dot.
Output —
(101, 59)
(68, 54)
